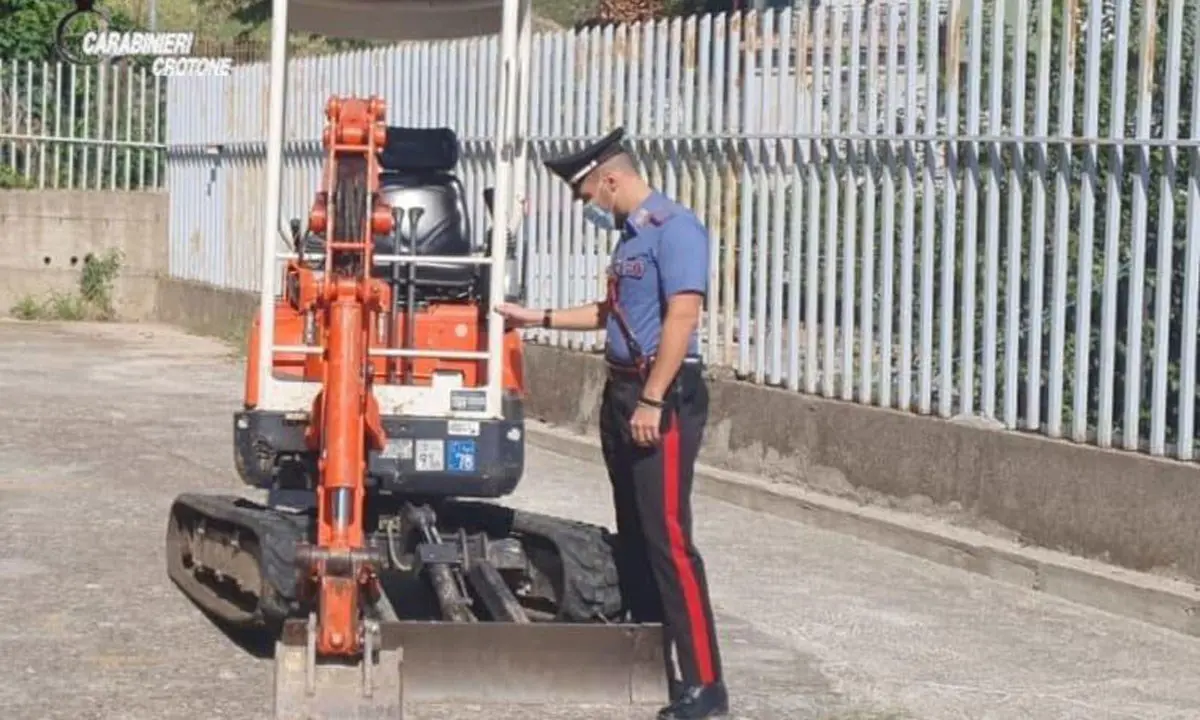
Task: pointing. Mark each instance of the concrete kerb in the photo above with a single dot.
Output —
(1160, 601)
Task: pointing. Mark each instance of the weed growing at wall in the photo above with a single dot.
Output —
(93, 300)
(10, 179)
(96, 283)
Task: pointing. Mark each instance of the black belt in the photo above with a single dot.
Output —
(625, 368)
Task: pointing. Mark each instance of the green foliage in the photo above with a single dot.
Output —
(27, 308)
(26, 42)
(248, 22)
(566, 13)
(10, 179)
(97, 279)
(27, 32)
(93, 300)
(54, 306)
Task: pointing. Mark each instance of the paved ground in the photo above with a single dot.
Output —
(100, 426)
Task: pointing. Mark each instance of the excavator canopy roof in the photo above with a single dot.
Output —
(396, 20)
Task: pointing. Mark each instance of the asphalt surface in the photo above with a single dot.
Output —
(102, 425)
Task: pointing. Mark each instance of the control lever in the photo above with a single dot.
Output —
(397, 239)
(410, 292)
(414, 213)
(297, 241)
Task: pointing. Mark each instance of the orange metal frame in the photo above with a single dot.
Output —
(345, 417)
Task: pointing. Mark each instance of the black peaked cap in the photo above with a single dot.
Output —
(575, 167)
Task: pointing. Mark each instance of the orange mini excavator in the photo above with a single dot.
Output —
(376, 559)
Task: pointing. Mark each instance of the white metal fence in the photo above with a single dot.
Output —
(82, 127)
(989, 212)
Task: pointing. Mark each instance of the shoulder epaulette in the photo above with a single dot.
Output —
(657, 219)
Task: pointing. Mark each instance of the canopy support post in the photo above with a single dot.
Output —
(274, 196)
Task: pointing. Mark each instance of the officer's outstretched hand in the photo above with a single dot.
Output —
(516, 316)
(644, 425)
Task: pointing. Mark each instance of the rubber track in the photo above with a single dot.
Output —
(276, 535)
(587, 590)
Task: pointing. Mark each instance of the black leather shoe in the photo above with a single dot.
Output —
(674, 690)
(696, 702)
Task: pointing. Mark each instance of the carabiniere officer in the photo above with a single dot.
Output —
(655, 405)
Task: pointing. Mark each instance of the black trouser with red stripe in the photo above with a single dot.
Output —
(661, 572)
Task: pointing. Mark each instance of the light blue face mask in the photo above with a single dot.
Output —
(599, 217)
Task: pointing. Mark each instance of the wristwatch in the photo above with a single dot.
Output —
(546, 315)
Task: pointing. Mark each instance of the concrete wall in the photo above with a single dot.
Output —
(1132, 510)
(1127, 509)
(203, 309)
(48, 234)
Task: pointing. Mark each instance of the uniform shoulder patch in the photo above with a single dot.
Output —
(652, 217)
(655, 218)
(659, 218)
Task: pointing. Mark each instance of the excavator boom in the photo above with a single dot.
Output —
(340, 570)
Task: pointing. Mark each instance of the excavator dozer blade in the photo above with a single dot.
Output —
(484, 663)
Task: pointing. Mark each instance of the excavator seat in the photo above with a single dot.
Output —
(432, 218)
(431, 213)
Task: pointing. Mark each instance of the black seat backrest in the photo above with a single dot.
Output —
(419, 149)
(428, 202)
(430, 211)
